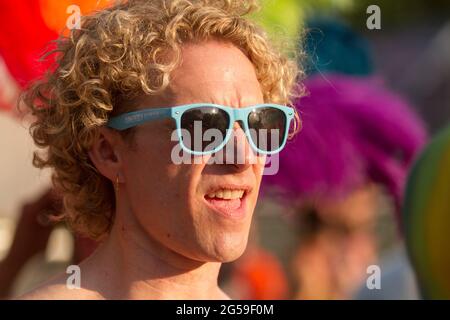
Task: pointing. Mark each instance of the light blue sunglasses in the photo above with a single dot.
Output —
(265, 125)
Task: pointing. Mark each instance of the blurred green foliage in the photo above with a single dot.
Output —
(285, 17)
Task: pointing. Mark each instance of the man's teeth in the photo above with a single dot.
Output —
(227, 194)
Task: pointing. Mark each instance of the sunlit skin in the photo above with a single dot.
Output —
(167, 241)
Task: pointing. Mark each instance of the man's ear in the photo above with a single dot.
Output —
(105, 153)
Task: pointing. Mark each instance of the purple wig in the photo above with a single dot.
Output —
(354, 131)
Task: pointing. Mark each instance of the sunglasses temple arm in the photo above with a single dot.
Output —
(132, 119)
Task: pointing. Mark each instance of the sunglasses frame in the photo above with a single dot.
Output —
(134, 118)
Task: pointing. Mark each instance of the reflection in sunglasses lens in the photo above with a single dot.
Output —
(207, 127)
(267, 127)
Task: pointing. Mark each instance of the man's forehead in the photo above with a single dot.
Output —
(215, 69)
(210, 71)
(220, 60)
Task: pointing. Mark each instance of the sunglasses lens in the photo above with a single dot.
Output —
(267, 128)
(207, 128)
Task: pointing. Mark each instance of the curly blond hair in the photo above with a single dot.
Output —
(120, 53)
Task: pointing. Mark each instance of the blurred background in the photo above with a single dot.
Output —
(375, 101)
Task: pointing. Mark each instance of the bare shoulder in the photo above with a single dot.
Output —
(57, 289)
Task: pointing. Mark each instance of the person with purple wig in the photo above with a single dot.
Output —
(357, 143)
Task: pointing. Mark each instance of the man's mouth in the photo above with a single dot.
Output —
(228, 201)
(226, 194)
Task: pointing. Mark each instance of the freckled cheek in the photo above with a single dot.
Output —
(174, 185)
(195, 180)
(147, 173)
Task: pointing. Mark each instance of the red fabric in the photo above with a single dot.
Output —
(24, 37)
(262, 275)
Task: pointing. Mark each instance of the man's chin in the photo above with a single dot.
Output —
(229, 251)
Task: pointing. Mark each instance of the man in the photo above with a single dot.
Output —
(104, 116)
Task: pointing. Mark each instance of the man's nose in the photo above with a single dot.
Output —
(238, 150)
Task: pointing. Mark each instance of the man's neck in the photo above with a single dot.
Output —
(131, 265)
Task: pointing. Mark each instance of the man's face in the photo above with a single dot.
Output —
(183, 206)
